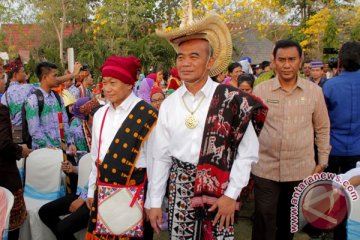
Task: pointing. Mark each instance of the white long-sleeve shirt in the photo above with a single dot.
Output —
(173, 139)
(113, 121)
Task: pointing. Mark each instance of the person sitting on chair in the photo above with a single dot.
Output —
(72, 204)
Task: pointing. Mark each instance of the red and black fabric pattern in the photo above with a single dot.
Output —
(229, 115)
(118, 166)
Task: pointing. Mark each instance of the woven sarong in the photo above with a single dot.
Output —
(183, 224)
(18, 211)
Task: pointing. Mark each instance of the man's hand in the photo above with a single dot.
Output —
(25, 150)
(226, 211)
(76, 204)
(147, 214)
(72, 150)
(67, 167)
(319, 168)
(155, 217)
(89, 202)
(77, 67)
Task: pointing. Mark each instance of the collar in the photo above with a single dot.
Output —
(299, 83)
(346, 73)
(126, 104)
(12, 83)
(206, 89)
(45, 93)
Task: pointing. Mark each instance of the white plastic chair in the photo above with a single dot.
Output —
(353, 222)
(10, 203)
(21, 166)
(84, 170)
(42, 185)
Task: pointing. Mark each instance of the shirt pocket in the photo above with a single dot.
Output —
(299, 112)
(275, 112)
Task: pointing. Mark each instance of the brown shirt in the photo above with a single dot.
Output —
(287, 139)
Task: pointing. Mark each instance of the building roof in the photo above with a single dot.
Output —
(22, 38)
(252, 45)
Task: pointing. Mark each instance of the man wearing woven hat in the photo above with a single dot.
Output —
(205, 138)
(119, 152)
(317, 72)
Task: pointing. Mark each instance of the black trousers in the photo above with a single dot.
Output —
(338, 165)
(64, 229)
(272, 209)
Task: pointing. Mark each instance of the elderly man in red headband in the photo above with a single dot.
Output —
(120, 160)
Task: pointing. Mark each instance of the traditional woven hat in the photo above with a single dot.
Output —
(211, 28)
(316, 64)
(68, 98)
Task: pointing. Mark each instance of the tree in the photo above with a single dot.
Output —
(314, 32)
(243, 15)
(330, 38)
(58, 14)
(302, 10)
(355, 25)
(16, 11)
(355, 33)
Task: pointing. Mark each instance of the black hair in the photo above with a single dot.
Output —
(249, 78)
(333, 63)
(234, 65)
(85, 67)
(264, 64)
(307, 61)
(44, 68)
(11, 73)
(349, 56)
(7, 84)
(287, 44)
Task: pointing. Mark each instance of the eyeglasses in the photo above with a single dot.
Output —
(157, 100)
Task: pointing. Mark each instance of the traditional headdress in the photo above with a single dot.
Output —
(175, 73)
(83, 107)
(152, 76)
(121, 68)
(13, 66)
(211, 28)
(68, 97)
(316, 64)
(155, 90)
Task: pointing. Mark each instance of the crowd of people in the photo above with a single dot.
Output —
(202, 136)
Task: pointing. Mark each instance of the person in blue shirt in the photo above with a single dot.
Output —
(342, 95)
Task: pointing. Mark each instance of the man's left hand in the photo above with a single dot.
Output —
(76, 204)
(319, 168)
(72, 150)
(147, 214)
(226, 211)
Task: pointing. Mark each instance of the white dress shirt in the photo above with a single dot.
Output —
(173, 139)
(113, 121)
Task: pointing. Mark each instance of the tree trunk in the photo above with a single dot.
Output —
(127, 21)
(61, 35)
